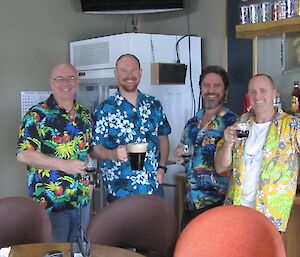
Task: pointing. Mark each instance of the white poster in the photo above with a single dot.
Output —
(30, 98)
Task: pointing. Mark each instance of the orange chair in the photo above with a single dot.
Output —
(230, 231)
(23, 221)
(144, 222)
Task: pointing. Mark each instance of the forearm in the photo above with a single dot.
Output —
(223, 158)
(117, 154)
(100, 152)
(42, 161)
(39, 160)
(164, 148)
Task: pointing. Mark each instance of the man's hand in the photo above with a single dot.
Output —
(177, 153)
(120, 153)
(230, 136)
(72, 166)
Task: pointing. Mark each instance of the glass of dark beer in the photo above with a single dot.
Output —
(137, 153)
(242, 130)
(90, 165)
(187, 152)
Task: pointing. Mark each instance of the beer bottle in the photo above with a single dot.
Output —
(277, 102)
(295, 99)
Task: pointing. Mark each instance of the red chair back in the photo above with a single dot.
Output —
(230, 231)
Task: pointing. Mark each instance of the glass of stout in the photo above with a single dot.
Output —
(136, 154)
(242, 130)
(187, 152)
(90, 165)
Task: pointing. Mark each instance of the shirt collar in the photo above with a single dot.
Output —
(54, 105)
(220, 113)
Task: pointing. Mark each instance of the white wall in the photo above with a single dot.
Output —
(34, 35)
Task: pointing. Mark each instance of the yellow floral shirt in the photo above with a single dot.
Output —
(279, 170)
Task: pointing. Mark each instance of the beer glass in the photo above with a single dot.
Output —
(242, 130)
(187, 151)
(136, 154)
(90, 165)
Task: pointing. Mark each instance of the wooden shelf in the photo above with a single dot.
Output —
(250, 31)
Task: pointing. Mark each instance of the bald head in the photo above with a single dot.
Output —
(261, 90)
(63, 67)
(268, 80)
(130, 56)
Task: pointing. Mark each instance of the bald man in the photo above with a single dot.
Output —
(265, 165)
(54, 140)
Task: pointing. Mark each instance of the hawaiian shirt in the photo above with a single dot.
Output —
(279, 170)
(48, 129)
(204, 186)
(118, 122)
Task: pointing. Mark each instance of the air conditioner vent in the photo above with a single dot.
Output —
(91, 54)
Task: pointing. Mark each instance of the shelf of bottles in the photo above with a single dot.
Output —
(264, 18)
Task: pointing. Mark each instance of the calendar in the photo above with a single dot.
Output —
(30, 98)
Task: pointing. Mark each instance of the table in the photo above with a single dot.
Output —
(38, 250)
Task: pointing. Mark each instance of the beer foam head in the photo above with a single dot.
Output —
(137, 148)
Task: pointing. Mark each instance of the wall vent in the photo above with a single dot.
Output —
(92, 54)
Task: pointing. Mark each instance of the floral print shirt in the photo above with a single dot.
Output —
(279, 170)
(204, 186)
(48, 129)
(118, 122)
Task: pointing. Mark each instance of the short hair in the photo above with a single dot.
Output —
(264, 75)
(218, 70)
(129, 55)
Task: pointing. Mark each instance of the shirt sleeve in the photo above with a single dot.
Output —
(28, 137)
(164, 126)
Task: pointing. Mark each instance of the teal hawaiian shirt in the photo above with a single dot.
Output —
(204, 186)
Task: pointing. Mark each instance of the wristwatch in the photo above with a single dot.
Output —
(163, 167)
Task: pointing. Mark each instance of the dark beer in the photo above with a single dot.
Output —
(137, 160)
(242, 133)
(90, 170)
(242, 130)
(137, 153)
(186, 156)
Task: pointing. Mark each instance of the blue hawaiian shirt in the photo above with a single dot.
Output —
(118, 122)
(204, 186)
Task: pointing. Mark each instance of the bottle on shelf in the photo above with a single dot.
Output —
(266, 10)
(290, 8)
(277, 102)
(295, 99)
(254, 11)
(244, 12)
(297, 8)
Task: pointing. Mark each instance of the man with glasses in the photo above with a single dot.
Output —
(54, 140)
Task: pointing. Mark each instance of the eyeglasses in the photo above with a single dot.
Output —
(70, 79)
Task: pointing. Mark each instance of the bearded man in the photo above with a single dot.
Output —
(129, 116)
(205, 188)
